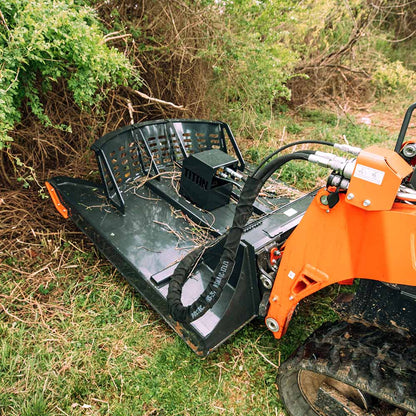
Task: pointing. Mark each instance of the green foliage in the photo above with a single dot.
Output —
(251, 65)
(302, 175)
(259, 46)
(42, 41)
(327, 24)
(393, 77)
(319, 117)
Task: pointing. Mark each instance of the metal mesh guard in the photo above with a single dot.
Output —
(152, 147)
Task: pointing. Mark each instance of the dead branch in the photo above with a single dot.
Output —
(158, 100)
(108, 39)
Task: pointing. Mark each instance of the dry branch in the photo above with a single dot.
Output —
(158, 100)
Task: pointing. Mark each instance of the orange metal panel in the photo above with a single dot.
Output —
(346, 242)
(56, 201)
(376, 178)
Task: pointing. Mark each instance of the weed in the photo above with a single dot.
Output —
(35, 406)
(294, 128)
(320, 116)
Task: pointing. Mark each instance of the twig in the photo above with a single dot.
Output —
(15, 317)
(403, 39)
(335, 66)
(15, 79)
(128, 35)
(158, 100)
(265, 358)
(169, 229)
(61, 410)
(4, 21)
(147, 249)
(131, 111)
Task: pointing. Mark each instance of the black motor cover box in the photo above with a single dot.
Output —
(200, 182)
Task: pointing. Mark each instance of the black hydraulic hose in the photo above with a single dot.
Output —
(281, 149)
(226, 263)
(233, 182)
(268, 170)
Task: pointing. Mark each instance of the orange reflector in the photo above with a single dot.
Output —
(56, 201)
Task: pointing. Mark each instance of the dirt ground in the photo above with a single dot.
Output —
(388, 121)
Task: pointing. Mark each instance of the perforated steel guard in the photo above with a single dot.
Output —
(152, 147)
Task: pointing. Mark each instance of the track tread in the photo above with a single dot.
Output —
(379, 363)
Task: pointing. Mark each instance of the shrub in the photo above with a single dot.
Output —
(42, 41)
(392, 77)
(250, 60)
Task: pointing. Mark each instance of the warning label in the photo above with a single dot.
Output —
(369, 174)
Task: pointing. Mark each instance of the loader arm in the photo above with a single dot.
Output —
(369, 234)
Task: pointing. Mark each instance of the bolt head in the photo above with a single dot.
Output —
(272, 325)
(367, 203)
(267, 283)
(350, 196)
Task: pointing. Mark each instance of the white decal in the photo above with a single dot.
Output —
(292, 275)
(290, 212)
(369, 174)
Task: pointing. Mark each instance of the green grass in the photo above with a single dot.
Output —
(313, 124)
(76, 340)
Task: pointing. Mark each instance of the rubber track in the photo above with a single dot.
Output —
(379, 363)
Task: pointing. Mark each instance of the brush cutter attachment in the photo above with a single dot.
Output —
(168, 196)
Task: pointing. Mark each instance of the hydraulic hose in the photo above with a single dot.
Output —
(225, 266)
(281, 149)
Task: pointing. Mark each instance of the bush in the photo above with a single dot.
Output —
(42, 41)
(250, 60)
(393, 77)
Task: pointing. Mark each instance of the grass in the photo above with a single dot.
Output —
(75, 340)
(314, 124)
